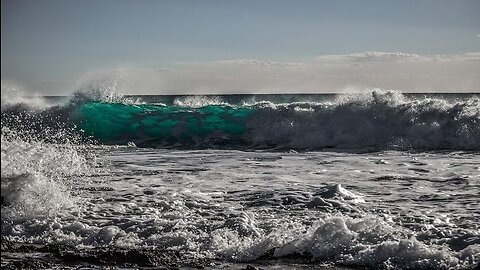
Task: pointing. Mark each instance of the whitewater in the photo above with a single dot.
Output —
(374, 180)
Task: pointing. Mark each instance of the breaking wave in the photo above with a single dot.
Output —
(381, 120)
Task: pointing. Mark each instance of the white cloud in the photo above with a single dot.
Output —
(373, 56)
(327, 73)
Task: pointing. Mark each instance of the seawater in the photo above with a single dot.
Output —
(375, 180)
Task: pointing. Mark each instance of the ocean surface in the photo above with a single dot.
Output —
(376, 180)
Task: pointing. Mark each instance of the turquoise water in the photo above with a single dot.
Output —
(162, 125)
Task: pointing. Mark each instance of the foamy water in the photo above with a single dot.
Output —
(68, 202)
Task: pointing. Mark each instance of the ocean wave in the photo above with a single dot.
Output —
(377, 121)
(384, 121)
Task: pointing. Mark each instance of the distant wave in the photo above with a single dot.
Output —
(377, 121)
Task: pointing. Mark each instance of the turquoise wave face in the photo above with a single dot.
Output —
(157, 125)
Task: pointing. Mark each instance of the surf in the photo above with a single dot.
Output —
(379, 120)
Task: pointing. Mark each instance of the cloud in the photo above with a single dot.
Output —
(373, 56)
(322, 74)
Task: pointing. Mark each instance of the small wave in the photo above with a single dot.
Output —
(338, 192)
(335, 197)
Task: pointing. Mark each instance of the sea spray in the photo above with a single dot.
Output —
(36, 175)
(41, 153)
(13, 94)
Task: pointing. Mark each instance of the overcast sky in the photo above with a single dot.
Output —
(263, 46)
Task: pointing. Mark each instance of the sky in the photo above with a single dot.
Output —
(55, 47)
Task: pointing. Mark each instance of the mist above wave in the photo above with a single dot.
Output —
(13, 95)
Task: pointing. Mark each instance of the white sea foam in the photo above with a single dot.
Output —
(368, 242)
(199, 101)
